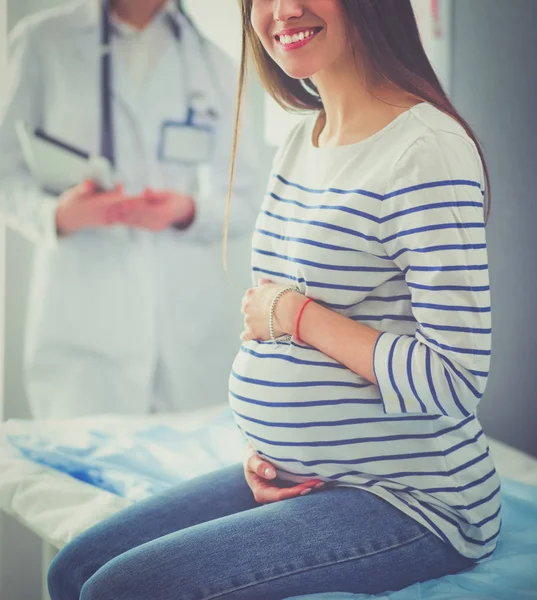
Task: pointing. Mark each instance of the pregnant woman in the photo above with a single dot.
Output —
(366, 346)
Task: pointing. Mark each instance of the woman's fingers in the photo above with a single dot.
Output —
(260, 476)
(87, 187)
(262, 468)
(125, 212)
(266, 492)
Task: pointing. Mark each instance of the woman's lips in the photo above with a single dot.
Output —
(295, 39)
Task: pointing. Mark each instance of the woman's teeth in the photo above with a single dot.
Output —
(297, 37)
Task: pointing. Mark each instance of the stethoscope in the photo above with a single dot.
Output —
(107, 148)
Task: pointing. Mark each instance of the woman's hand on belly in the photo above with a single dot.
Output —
(256, 306)
(261, 479)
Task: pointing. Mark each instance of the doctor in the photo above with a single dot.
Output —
(130, 311)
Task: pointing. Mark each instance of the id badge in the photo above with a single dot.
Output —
(185, 142)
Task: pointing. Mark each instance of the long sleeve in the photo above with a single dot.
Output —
(22, 203)
(432, 227)
(247, 185)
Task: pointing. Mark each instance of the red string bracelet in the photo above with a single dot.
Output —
(297, 327)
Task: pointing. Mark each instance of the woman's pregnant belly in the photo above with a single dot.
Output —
(311, 416)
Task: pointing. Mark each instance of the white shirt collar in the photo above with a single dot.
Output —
(169, 10)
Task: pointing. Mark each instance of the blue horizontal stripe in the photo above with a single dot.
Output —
(446, 268)
(460, 488)
(479, 524)
(323, 225)
(479, 502)
(295, 384)
(362, 440)
(427, 505)
(342, 422)
(336, 402)
(310, 475)
(407, 318)
(278, 274)
(458, 469)
(387, 477)
(292, 359)
(331, 190)
(309, 242)
(334, 286)
(347, 209)
(484, 556)
(387, 298)
(432, 206)
(457, 525)
(473, 351)
(335, 306)
(357, 461)
(452, 522)
(448, 519)
(271, 343)
(479, 373)
(449, 288)
(448, 307)
(301, 261)
(431, 228)
(315, 284)
(432, 184)
(486, 520)
(456, 328)
(422, 186)
(440, 248)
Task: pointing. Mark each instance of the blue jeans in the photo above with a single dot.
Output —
(208, 538)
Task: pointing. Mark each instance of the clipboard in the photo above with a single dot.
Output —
(58, 165)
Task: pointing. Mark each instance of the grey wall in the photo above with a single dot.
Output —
(495, 86)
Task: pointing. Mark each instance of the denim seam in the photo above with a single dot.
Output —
(327, 564)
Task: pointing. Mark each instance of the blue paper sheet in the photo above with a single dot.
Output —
(136, 464)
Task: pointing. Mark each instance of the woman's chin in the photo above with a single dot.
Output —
(298, 71)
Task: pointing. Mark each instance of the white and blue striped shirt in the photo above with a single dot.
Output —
(388, 232)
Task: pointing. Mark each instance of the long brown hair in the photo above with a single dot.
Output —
(389, 39)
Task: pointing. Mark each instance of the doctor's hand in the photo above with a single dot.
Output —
(157, 210)
(83, 206)
(256, 309)
(261, 479)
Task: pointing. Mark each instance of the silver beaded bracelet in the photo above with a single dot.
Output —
(286, 338)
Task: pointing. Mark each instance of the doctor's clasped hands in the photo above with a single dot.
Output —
(86, 207)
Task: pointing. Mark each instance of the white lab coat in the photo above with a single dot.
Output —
(140, 321)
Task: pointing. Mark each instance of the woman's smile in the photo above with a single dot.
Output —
(296, 38)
